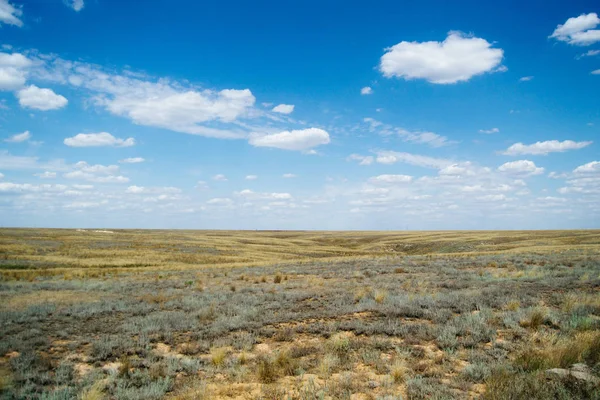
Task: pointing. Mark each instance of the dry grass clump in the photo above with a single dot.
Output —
(94, 392)
(537, 318)
(270, 367)
(339, 344)
(583, 347)
(399, 372)
(218, 355)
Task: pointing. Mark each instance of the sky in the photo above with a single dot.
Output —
(300, 115)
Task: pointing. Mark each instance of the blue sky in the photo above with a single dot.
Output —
(313, 115)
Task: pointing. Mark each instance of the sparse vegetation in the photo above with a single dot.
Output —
(298, 315)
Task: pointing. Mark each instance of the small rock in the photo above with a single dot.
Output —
(112, 367)
(580, 367)
(373, 384)
(572, 373)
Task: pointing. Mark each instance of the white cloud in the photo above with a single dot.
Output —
(8, 161)
(392, 157)
(525, 78)
(362, 160)
(521, 167)
(303, 139)
(152, 190)
(429, 138)
(201, 185)
(593, 166)
(13, 70)
(19, 137)
(390, 179)
(40, 99)
(458, 58)
(219, 201)
(220, 178)
(94, 178)
(96, 173)
(9, 14)
(543, 148)
(46, 175)
(589, 53)
(76, 5)
(1, 175)
(97, 140)
(156, 102)
(492, 197)
(251, 177)
(289, 176)
(249, 194)
(366, 90)
(578, 30)
(488, 131)
(456, 169)
(596, 72)
(283, 108)
(9, 187)
(132, 160)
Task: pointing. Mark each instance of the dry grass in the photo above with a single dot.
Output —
(73, 254)
(296, 315)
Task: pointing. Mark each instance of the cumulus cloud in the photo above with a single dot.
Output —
(492, 197)
(46, 175)
(457, 59)
(40, 99)
(76, 5)
(13, 70)
(152, 190)
(390, 179)
(456, 169)
(283, 109)
(362, 160)
(521, 167)
(489, 131)
(156, 102)
(8, 187)
(250, 195)
(392, 157)
(366, 90)
(525, 78)
(593, 166)
(251, 177)
(220, 178)
(9, 14)
(300, 140)
(543, 148)
(96, 173)
(579, 30)
(9, 161)
(19, 137)
(220, 201)
(132, 160)
(98, 140)
(596, 72)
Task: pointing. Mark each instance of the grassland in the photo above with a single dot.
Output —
(130, 314)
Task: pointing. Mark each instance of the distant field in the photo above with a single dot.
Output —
(129, 314)
(52, 251)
